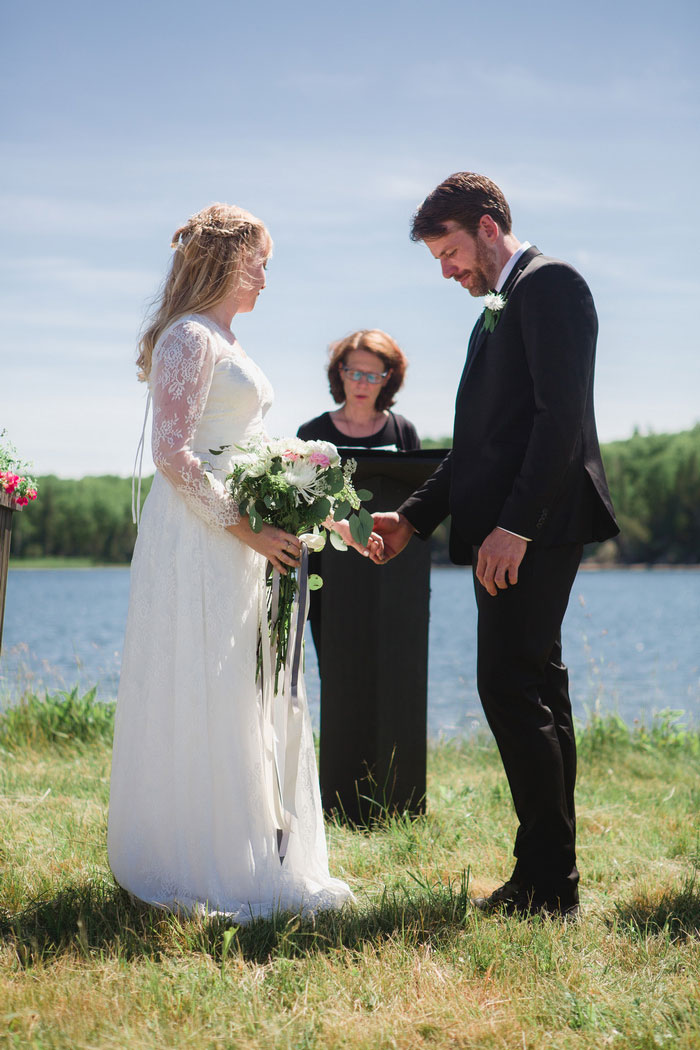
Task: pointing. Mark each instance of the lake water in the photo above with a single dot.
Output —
(631, 641)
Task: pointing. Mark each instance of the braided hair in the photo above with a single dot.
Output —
(211, 253)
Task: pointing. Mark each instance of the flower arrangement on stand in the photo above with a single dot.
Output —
(14, 481)
(17, 488)
(301, 487)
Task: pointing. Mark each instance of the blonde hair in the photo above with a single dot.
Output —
(211, 252)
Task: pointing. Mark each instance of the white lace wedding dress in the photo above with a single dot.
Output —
(191, 826)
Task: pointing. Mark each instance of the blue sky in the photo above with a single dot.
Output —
(331, 122)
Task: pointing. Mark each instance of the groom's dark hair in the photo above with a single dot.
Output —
(463, 198)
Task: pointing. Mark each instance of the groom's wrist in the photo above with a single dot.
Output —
(403, 520)
(511, 533)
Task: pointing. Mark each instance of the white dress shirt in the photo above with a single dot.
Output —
(505, 272)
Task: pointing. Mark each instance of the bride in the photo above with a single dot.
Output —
(191, 823)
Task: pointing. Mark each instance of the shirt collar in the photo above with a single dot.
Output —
(507, 269)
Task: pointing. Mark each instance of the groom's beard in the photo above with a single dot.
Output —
(483, 275)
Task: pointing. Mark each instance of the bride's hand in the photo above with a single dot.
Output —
(375, 544)
(281, 548)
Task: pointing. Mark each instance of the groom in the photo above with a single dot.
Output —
(525, 485)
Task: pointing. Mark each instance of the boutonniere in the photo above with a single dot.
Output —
(493, 304)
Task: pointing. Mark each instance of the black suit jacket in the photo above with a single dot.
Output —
(525, 452)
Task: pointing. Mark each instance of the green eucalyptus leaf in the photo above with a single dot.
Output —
(334, 480)
(355, 528)
(338, 542)
(255, 520)
(315, 582)
(341, 510)
(364, 494)
(366, 525)
(321, 508)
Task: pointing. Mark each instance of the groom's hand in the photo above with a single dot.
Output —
(395, 530)
(499, 559)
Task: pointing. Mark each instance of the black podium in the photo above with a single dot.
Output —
(374, 657)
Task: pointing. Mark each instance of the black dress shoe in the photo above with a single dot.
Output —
(514, 899)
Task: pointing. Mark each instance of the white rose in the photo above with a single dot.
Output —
(326, 448)
(292, 444)
(257, 468)
(315, 540)
(252, 466)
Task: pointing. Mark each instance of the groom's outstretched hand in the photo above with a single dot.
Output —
(395, 530)
(499, 560)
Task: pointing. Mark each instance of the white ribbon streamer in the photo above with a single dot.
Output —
(282, 718)
(136, 501)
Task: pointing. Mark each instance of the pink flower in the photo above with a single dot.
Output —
(31, 493)
(22, 501)
(319, 459)
(292, 456)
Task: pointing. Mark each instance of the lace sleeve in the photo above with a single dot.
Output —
(183, 366)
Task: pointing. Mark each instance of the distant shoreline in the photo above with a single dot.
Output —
(588, 566)
(22, 565)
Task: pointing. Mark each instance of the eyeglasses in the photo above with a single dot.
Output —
(371, 377)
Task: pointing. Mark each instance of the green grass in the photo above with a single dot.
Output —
(411, 966)
(56, 562)
(64, 718)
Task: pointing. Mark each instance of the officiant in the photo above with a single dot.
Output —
(366, 370)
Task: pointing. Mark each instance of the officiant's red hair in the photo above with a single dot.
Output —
(210, 256)
(376, 342)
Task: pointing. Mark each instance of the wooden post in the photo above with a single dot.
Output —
(8, 507)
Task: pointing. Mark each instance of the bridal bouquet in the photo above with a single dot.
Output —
(301, 487)
(13, 479)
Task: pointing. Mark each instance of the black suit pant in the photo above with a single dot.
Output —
(524, 690)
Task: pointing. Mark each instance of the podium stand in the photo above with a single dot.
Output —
(374, 657)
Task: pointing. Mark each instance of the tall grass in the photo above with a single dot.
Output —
(411, 965)
(64, 717)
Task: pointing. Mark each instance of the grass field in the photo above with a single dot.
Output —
(411, 966)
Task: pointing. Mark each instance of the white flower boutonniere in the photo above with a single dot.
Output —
(493, 304)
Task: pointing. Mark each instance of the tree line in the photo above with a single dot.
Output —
(654, 480)
(89, 518)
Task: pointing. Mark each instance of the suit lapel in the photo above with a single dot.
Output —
(479, 334)
(524, 261)
(475, 340)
